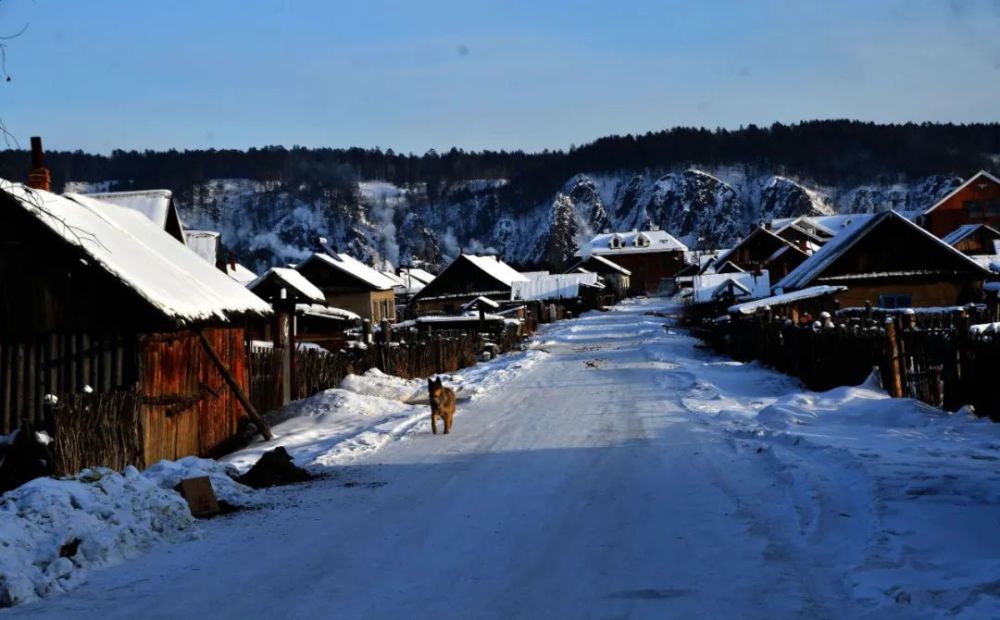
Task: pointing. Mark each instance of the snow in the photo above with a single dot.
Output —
(478, 301)
(113, 516)
(140, 254)
(776, 300)
(154, 203)
(294, 280)
(240, 273)
(556, 286)
(424, 277)
(327, 312)
(625, 472)
(496, 269)
(355, 268)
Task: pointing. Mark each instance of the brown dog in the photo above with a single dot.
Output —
(442, 404)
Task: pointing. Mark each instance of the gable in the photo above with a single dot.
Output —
(982, 187)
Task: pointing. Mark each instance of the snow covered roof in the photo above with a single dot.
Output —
(136, 251)
(978, 175)
(813, 266)
(204, 243)
(803, 223)
(481, 300)
(632, 242)
(356, 269)
(496, 268)
(154, 203)
(965, 230)
(750, 307)
(709, 287)
(240, 273)
(607, 263)
(326, 312)
(418, 274)
(557, 286)
(397, 281)
(293, 280)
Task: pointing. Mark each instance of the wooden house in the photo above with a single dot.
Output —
(303, 305)
(764, 250)
(798, 306)
(975, 239)
(649, 255)
(156, 204)
(98, 298)
(893, 263)
(616, 277)
(350, 284)
(466, 278)
(977, 201)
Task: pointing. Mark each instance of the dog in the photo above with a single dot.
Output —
(442, 404)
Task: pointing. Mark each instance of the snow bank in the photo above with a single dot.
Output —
(113, 516)
(54, 531)
(367, 411)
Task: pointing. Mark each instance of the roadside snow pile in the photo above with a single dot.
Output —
(930, 474)
(53, 531)
(376, 383)
(168, 474)
(332, 426)
(367, 411)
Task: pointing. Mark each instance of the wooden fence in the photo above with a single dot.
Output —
(317, 370)
(936, 361)
(60, 364)
(98, 429)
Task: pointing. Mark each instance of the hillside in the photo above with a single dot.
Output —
(704, 186)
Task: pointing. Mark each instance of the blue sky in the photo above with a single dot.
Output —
(105, 74)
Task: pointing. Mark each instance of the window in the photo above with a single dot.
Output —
(616, 242)
(895, 300)
(641, 241)
(993, 208)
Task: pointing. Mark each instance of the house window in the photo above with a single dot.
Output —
(616, 242)
(993, 208)
(895, 300)
(641, 241)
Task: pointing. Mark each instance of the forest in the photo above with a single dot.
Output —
(828, 151)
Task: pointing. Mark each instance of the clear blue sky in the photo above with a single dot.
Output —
(105, 74)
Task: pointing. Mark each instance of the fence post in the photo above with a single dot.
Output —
(894, 380)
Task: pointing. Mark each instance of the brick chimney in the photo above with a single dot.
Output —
(39, 177)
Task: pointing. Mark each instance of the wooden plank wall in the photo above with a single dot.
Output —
(62, 365)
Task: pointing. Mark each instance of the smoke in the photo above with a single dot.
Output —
(383, 212)
(449, 245)
(451, 248)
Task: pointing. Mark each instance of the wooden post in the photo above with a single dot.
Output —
(234, 385)
(895, 380)
(366, 331)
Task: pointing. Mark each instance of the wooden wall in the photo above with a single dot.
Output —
(187, 408)
(924, 292)
(648, 268)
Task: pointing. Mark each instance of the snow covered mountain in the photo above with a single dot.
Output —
(266, 223)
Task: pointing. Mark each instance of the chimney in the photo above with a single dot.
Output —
(767, 225)
(39, 177)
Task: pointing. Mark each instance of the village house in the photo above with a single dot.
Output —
(613, 275)
(796, 306)
(466, 278)
(301, 312)
(98, 298)
(649, 255)
(352, 285)
(977, 201)
(760, 250)
(891, 262)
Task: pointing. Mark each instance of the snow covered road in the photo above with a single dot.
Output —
(627, 473)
